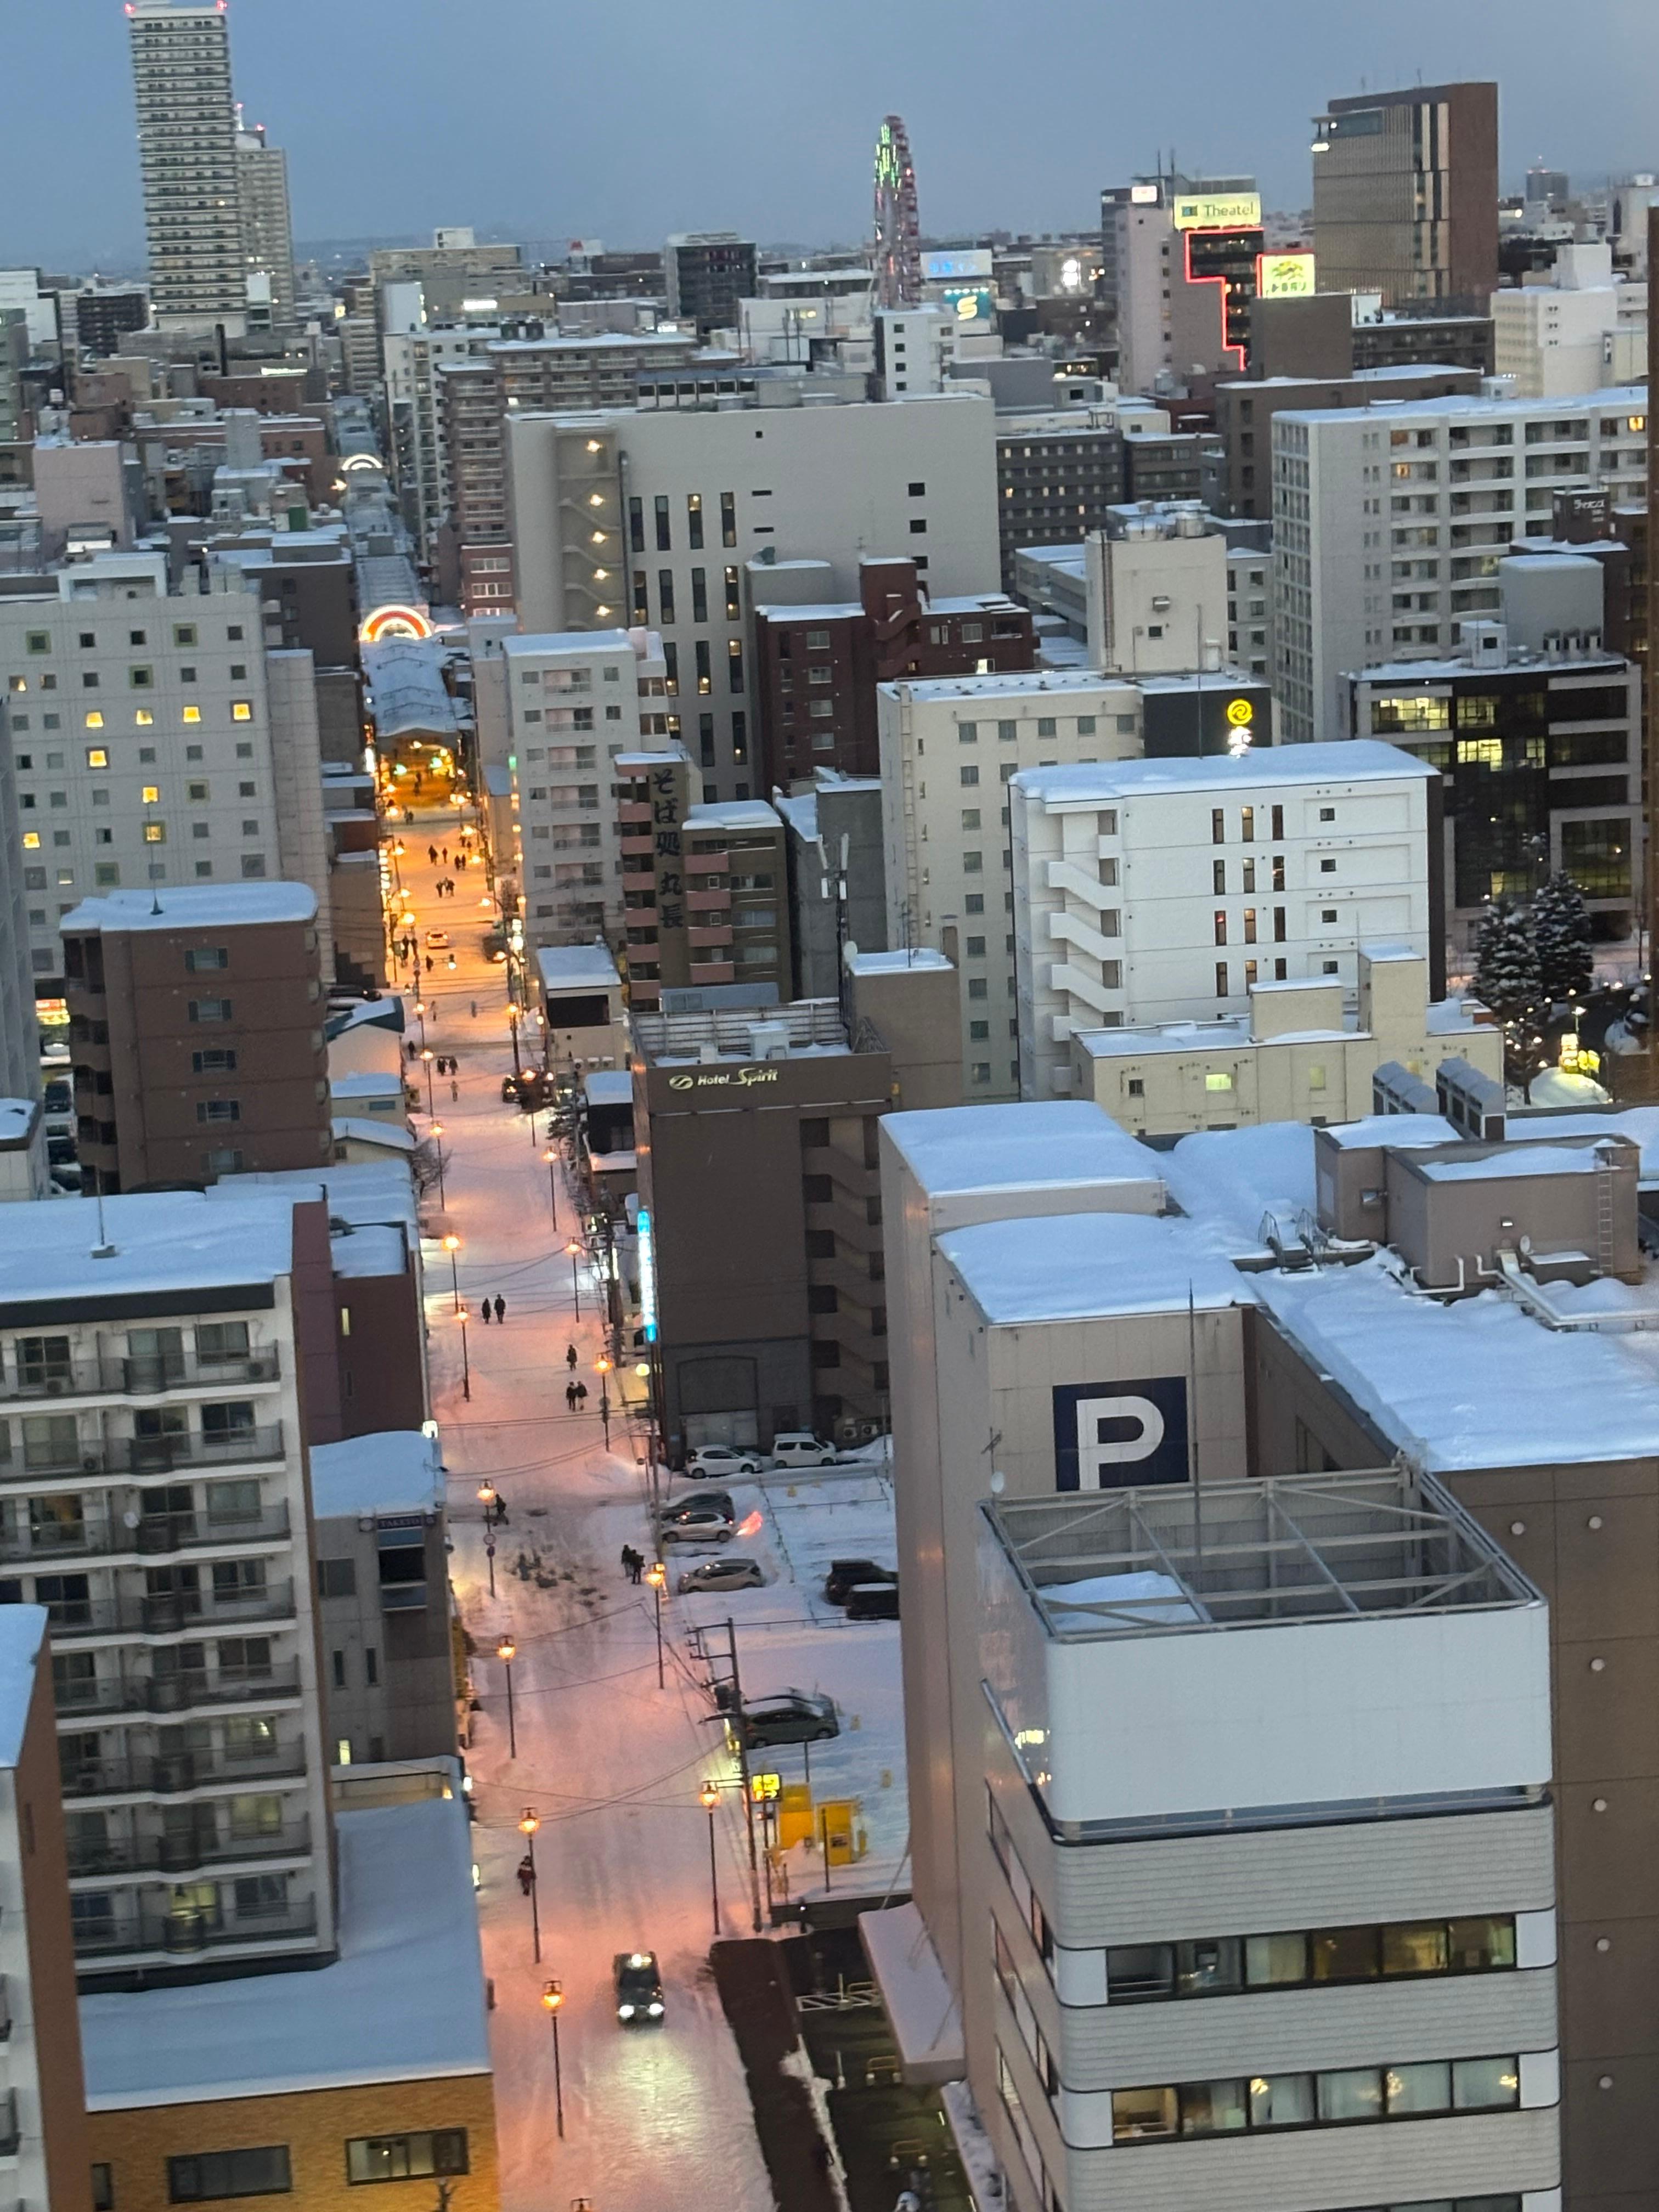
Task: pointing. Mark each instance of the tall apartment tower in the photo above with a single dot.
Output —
(267, 223)
(1405, 190)
(187, 157)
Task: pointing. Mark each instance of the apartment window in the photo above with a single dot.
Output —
(1220, 926)
(636, 525)
(1221, 979)
(728, 518)
(142, 679)
(406, 2158)
(705, 668)
(213, 2174)
(1217, 826)
(336, 1578)
(699, 595)
(733, 600)
(734, 663)
(210, 1010)
(1328, 867)
(641, 602)
(671, 661)
(968, 775)
(199, 959)
(966, 733)
(740, 744)
(40, 641)
(103, 2188)
(1280, 932)
(1249, 925)
(665, 593)
(218, 1109)
(1218, 878)
(1247, 825)
(184, 633)
(664, 543)
(1144, 1973)
(1007, 732)
(1349, 2094)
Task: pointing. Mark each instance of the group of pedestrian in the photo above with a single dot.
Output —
(501, 1308)
(446, 887)
(445, 1063)
(575, 1395)
(633, 1563)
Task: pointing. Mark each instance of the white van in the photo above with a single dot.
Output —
(800, 1447)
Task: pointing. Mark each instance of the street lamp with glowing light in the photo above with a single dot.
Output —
(529, 1821)
(505, 1651)
(656, 1574)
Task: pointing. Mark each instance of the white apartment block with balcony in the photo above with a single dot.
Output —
(154, 1500)
(1148, 891)
(948, 747)
(1265, 1862)
(649, 519)
(1389, 521)
(154, 740)
(414, 356)
(574, 700)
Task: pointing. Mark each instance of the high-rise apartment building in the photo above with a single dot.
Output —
(197, 1033)
(155, 1425)
(1405, 187)
(649, 517)
(155, 741)
(187, 156)
(1057, 474)
(706, 272)
(1388, 524)
(1245, 409)
(1166, 890)
(568, 706)
(267, 222)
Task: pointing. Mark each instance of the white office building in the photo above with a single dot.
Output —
(949, 746)
(1167, 890)
(187, 159)
(1389, 523)
(1576, 330)
(647, 518)
(154, 739)
(573, 703)
(152, 1427)
(267, 222)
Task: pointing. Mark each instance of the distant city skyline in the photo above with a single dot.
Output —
(561, 129)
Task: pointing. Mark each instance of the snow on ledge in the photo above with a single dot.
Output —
(925, 2020)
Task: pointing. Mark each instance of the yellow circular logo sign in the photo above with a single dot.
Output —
(1239, 711)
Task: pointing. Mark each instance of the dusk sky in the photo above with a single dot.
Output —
(534, 119)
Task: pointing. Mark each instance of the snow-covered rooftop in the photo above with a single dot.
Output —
(396, 1136)
(1350, 760)
(406, 683)
(17, 1119)
(195, 906)
(1068, 1267)
(609, 1086)
(404, 2001)
(1399, 1132)
(366, 1083)
(360, 1191)
(390, 1471)
(1012, 684)
(1041, 1143)
(376, 1248)
(893, 963)
(570, 645)
(162, 1242)
(577, 966)
(1474, 1164)
(22, 1631)
(733, 814)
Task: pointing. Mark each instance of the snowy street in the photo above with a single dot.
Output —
(612, 1764)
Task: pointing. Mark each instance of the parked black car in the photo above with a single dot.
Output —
(845, 1576)
(873, 1601)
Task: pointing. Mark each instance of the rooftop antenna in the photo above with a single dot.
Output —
(103, 1249)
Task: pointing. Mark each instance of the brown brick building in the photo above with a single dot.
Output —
(817, 666)
(197, 1034)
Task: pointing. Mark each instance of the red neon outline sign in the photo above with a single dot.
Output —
(1215, 231)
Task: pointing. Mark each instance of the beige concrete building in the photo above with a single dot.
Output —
(1296, 1056)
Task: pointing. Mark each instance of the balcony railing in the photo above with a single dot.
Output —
(183, 1933)
(175, 1773)
(177, 1854)
(134, 1378)
(48, 1542)
(137, 1457)
(187, 1691)
(168, 1612)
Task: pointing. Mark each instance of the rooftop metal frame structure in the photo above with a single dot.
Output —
(1350, 1546)
(808, 1021)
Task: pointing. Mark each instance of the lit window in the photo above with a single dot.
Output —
(31, 840)
(240, 711)
(144, 719)
(96, 756)
(152, 792)
(192, 713)
(155, 832)
(94, 721)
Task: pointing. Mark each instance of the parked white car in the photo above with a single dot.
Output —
(800, 1447)
(721, 1459)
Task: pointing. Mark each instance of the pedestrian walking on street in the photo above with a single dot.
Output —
(454, 1093)
(446, 856)
(474, 1010)
(570, 1358)
(526, 1874)
(413, 1049)
(484, 1309)
(501, 1308)
(628, 1562)
(428, 964)
(638, 1568)
(581, 1393)
(432, 854)
(500, 1511)
(570, 1396)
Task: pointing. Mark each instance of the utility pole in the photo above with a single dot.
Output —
(743, 1768)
